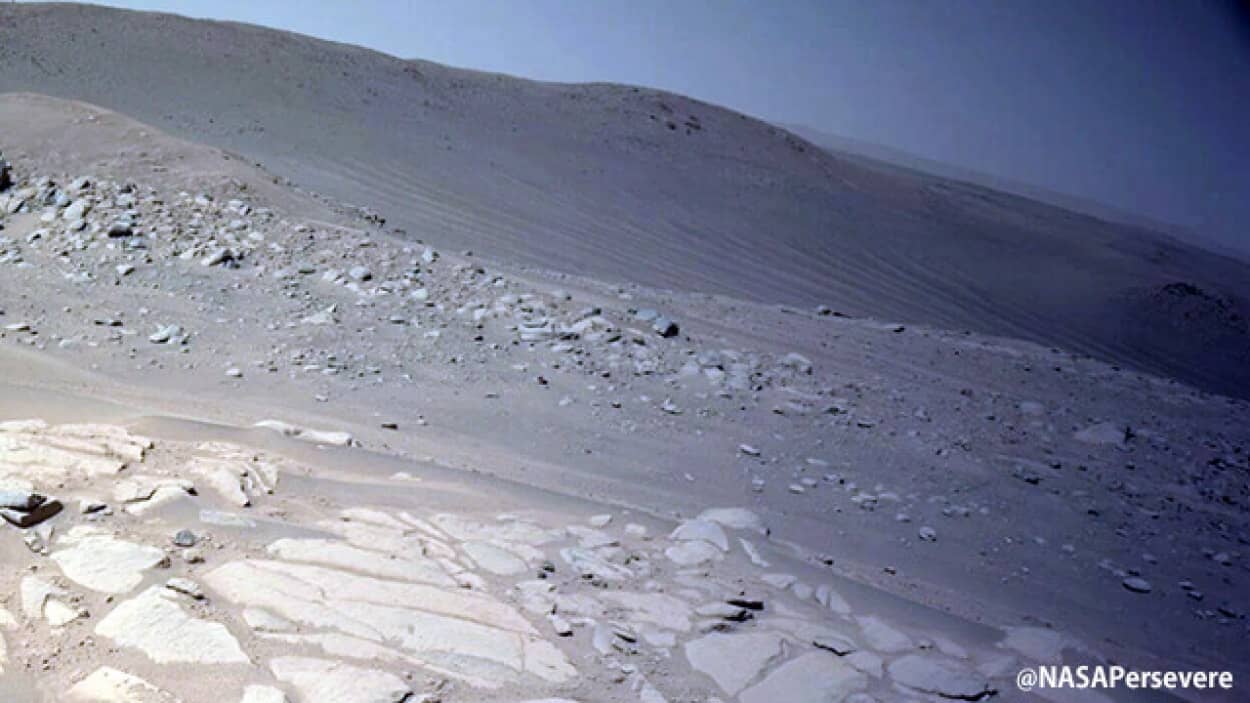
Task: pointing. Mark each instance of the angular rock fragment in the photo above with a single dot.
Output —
(156, 625)
(702, 530)
(45, 509)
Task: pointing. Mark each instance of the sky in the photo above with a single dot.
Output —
(1143, 105)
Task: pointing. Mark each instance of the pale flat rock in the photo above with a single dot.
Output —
(262, 694)
(475, 671)
(104, 439)
(589, 563)
(280, 587)
(103, 563)
(692, 553)
(867, 662)
(734, 519)
(537, 596)
(949, 647)
(154, 623)
(781, 581)
(109, 685)
(733, 661)
(1040, 644)
(336, 553)
(509, 531)
(660, 639)
(815, 677)
(53, 455)
(162, 496)
(701, 530)
(941, 676)
(262, 620)
(811, 631)
(35, 593)
(456, 629)
(342, 646)
(495, 559)
(59, 613)
(325, 681)
(654, 608)
(378, 538)
(884, 638)
(591, 538)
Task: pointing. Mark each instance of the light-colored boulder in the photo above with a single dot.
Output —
(692, 553)
(337, 553)
(701, 530)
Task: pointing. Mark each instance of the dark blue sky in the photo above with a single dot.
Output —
(1140, 104)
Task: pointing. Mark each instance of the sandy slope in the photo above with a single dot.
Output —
(981, 492)
(635, 185)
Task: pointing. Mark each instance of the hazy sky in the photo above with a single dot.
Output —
(1142, 104)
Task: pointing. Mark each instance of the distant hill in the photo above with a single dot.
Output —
(884, 155)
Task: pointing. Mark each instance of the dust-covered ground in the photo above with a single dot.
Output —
(480, 481)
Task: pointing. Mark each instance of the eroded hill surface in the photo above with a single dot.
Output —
(633, 185)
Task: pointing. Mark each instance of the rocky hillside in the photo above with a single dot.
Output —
(631, 184)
